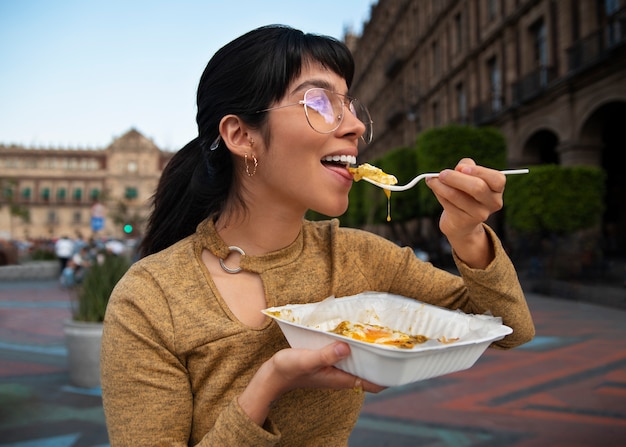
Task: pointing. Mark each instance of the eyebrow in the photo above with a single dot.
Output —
(311, 83)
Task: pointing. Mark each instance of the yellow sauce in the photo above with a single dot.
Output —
(366, 170)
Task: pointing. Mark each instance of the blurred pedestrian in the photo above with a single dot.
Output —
(82, 261)
(68, 274)
(64, 250)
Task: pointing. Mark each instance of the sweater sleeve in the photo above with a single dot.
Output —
(495, 289)
(146, 389)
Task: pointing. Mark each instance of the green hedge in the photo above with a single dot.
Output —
(443, 147)
(555, 199)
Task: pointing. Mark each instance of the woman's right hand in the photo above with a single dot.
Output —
(290, 368)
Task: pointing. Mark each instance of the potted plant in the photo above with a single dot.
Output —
(83, 332)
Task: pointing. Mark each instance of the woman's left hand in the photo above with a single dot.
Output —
(469, 194)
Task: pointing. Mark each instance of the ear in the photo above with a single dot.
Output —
(235, 134)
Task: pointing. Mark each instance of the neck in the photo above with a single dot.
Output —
(259, 232)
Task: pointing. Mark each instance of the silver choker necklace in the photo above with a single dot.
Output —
(228, 269)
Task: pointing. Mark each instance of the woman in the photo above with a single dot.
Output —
(187, 356)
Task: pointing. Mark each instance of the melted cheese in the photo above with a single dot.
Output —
(366, 170)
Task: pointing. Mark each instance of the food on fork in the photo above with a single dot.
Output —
(372, 172)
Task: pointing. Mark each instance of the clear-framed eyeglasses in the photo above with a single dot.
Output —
(324, 110)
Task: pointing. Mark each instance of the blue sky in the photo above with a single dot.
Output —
(79, 73)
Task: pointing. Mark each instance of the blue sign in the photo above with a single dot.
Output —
(97, 223)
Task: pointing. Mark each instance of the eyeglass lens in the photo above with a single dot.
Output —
(324, 111)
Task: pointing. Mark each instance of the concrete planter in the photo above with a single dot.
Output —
(83, 341)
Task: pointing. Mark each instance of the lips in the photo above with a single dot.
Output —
(339, 163)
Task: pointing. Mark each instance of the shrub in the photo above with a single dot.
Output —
(442, 147)
(555, 199)
(93, 293)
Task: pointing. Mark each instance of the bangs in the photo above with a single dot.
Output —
(299, 50)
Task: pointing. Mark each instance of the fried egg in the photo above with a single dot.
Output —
(372, 333)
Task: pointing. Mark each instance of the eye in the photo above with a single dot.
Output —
(318, 101)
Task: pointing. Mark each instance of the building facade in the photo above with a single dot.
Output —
(551, 75)
(79, 193)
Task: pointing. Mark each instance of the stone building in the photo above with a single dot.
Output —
(551, 75)
(79, 192)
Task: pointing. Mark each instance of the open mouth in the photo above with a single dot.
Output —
(339, 160)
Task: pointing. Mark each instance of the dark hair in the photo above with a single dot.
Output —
(246, 75)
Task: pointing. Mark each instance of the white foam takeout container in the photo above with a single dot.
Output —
(307, 326)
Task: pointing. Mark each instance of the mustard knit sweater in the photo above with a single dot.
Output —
(174, 358)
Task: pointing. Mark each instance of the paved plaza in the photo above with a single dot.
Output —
(565, 388)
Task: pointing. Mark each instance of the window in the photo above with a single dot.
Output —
(61, 194)
(436, 60)
(30, 163)
(458, 30)
(540, 51)
(492, 9)
(131, 193)
(461, 102)
(45, 194)
(77, 217)
(436, 114)
(495, 86)
(611, 6)
(416, 74)
(615, 24)
(94, 194)
(132, 166)
(8, 193)
(11, 163)
(26, 192)
(78, 194)
(52, 217)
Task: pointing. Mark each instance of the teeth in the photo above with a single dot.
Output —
(348, 159)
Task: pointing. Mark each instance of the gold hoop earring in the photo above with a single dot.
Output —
(255, 163)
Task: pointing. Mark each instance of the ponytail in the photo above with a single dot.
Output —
(194, 185)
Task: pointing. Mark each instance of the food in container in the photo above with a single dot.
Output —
(454, 340)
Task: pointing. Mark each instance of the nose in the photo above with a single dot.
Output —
(351, 125)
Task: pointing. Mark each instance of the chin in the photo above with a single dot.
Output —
(332, 211)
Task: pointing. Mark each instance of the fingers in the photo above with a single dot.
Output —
(295, 365)
(370, 387)
(469, 194)
(326, 356)
(303, 368)
(493, 178)
(470, 185)
(304, 361)
(358, 385)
